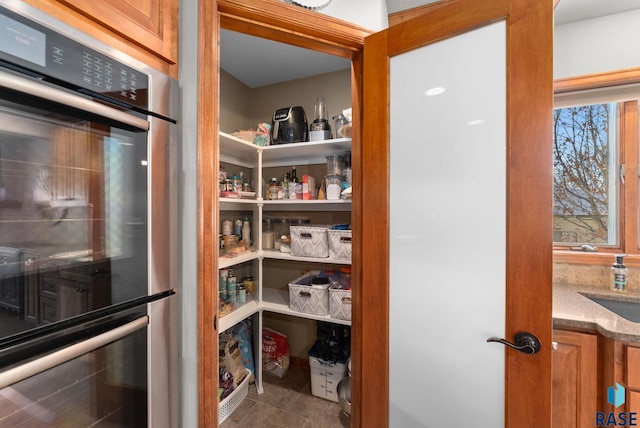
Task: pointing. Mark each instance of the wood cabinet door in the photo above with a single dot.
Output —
(31, 292)
(73, 299)
(575, 379)
(151, 25)
(633, 378)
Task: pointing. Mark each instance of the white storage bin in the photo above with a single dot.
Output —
(339, 244)
(233, 400)
(309, 241)
(307, 297)
(325, 376)
(340, 303)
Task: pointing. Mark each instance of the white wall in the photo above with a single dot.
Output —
(371, 14)
(188, 203)
(597, 45)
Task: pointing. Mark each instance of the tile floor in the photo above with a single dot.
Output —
(286, 402)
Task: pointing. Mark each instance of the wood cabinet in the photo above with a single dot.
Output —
(65, 293)
(146, 30)
(48, 297)
(621, 364)
(575, 379)
(73, 298)
(632, 369)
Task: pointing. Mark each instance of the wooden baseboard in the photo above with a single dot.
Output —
(299, 363)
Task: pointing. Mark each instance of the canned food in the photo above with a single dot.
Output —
(242, 294)
(227, 227)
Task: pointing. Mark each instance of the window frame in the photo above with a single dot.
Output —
(628, 204)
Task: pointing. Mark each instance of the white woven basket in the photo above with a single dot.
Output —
(233, 400)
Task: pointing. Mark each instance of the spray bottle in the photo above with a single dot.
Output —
(619, 274)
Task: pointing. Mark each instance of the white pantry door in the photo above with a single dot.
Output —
(456, 158)
(447, 231)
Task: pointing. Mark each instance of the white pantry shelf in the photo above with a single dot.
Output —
(244, 311)
(278, 301)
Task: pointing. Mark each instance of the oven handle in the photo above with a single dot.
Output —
(27, 86)
(31, 368)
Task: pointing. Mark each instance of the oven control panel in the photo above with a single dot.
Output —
(41, 50)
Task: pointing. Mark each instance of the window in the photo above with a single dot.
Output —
(595, 174)
(585, 151)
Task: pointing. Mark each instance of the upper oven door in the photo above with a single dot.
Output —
(74, 202)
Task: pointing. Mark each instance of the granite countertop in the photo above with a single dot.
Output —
(571, 308)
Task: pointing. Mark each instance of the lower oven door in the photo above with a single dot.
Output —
(96, 371)
(101, 380)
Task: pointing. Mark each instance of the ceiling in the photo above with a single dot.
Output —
(578, 10)
(257, 62)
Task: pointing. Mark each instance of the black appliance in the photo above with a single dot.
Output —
(289, 125)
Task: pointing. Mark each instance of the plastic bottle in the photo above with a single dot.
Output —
(237, 227)
(619, 274)
(224, 276)
(246, 230)
(231, 288)
(242, 294)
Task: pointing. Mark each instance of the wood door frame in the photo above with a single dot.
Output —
(529, 184)
(281, 22)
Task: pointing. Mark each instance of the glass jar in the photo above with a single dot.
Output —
(267, 234)
(280, 227)
(247, 281)
(274, 191)
(334, 186)
(226, 186)
(335, 165)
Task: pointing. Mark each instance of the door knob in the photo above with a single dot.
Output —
(524, 342)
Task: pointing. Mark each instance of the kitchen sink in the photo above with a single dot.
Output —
(626, 309)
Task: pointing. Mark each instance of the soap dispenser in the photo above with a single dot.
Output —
(619, 274)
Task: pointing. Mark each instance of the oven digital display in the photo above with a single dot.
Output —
(22, 41)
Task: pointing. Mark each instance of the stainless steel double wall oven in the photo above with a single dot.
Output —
(88, 252)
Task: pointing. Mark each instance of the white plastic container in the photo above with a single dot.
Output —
(233, 400)
(325, 377)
